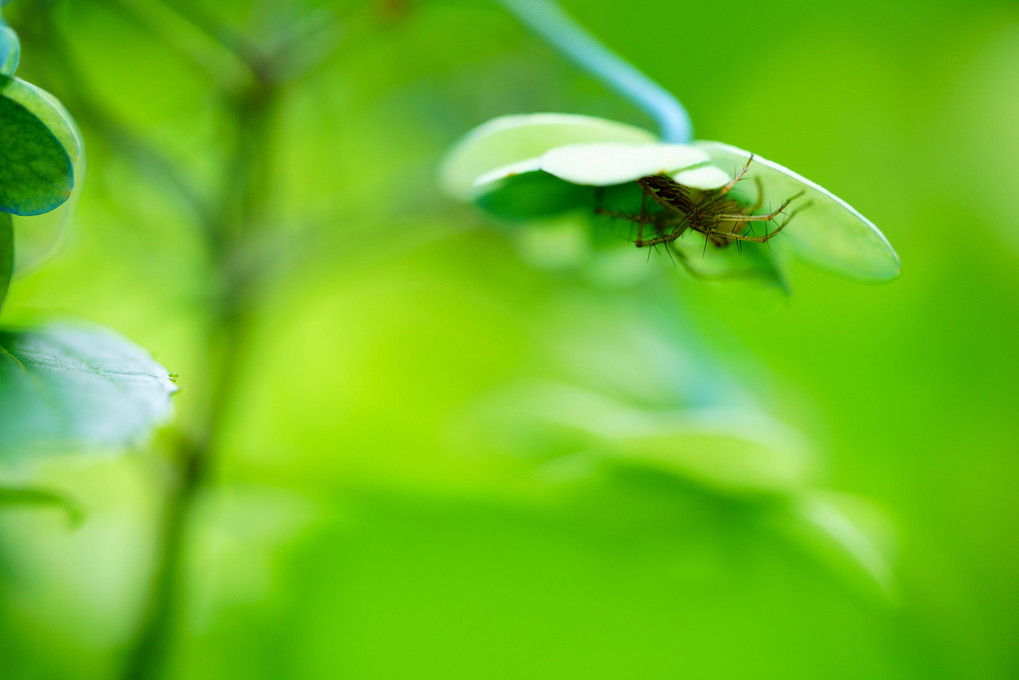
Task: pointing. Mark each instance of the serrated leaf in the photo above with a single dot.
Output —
(512, 140)
(828, 232)
(70, 388)
(10, 50)
(39, 146)
(22, 496)
(6, 256)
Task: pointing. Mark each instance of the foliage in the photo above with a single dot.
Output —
(416, 439)
(61, 388)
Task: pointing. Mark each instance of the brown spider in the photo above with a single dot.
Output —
(720, 218)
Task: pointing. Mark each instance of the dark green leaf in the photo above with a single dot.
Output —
(533, 194)
(71, 388)
(38, 148)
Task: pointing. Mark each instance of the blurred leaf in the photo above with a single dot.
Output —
(733, 451)
(519, 140)
(40, 148)
(847, 530)
(71, 388)
(828, 232)
(20, 496)
(10, 50)
(6, 255)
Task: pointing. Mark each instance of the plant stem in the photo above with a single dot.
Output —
(547, 19)
(241, 204)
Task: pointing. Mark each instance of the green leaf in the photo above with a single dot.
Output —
(533, 194)
(828, 232)
(733, 452)
(20, 496)
(10, 50)
(520, 140)
(66, 388)
(39, 146)
(6, 256)
(560, 179)
(846, 530)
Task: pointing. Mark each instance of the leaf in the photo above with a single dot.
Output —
(39, 146)
(733, 451)
(607, 163)
(6, 256)
(846, 530)
(533, 194)
(35, 496)
(518, 141)
(66, 387)
(10, 50)
(828, 232)
(560, 179)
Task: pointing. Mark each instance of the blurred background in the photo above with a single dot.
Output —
(449, 453)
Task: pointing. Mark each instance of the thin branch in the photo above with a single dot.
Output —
(547, 19)
(212, 47)
(78, 97)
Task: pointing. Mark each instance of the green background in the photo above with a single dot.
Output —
(376, 512)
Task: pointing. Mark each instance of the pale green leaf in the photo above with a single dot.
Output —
(39, 146)
(729, 450)
(510, 140)
(827, 231)
(845, 529)
(69, 388)
(607, 163)
(705, 178)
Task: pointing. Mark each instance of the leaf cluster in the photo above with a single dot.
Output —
(63, 387)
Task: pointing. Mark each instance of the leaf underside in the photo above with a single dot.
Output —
(827, 230)
(511, 140)
(70, 388)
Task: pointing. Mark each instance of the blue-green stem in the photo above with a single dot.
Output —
(547, 19)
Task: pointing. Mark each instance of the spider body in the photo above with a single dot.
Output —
(714, 213)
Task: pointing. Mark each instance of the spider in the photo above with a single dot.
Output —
(720, 218)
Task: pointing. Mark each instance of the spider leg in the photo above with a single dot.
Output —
(666, 221)
(743, 225)
(760, 196)
(643, 215)
(728, 187)
(767, 218)
(760, 218)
